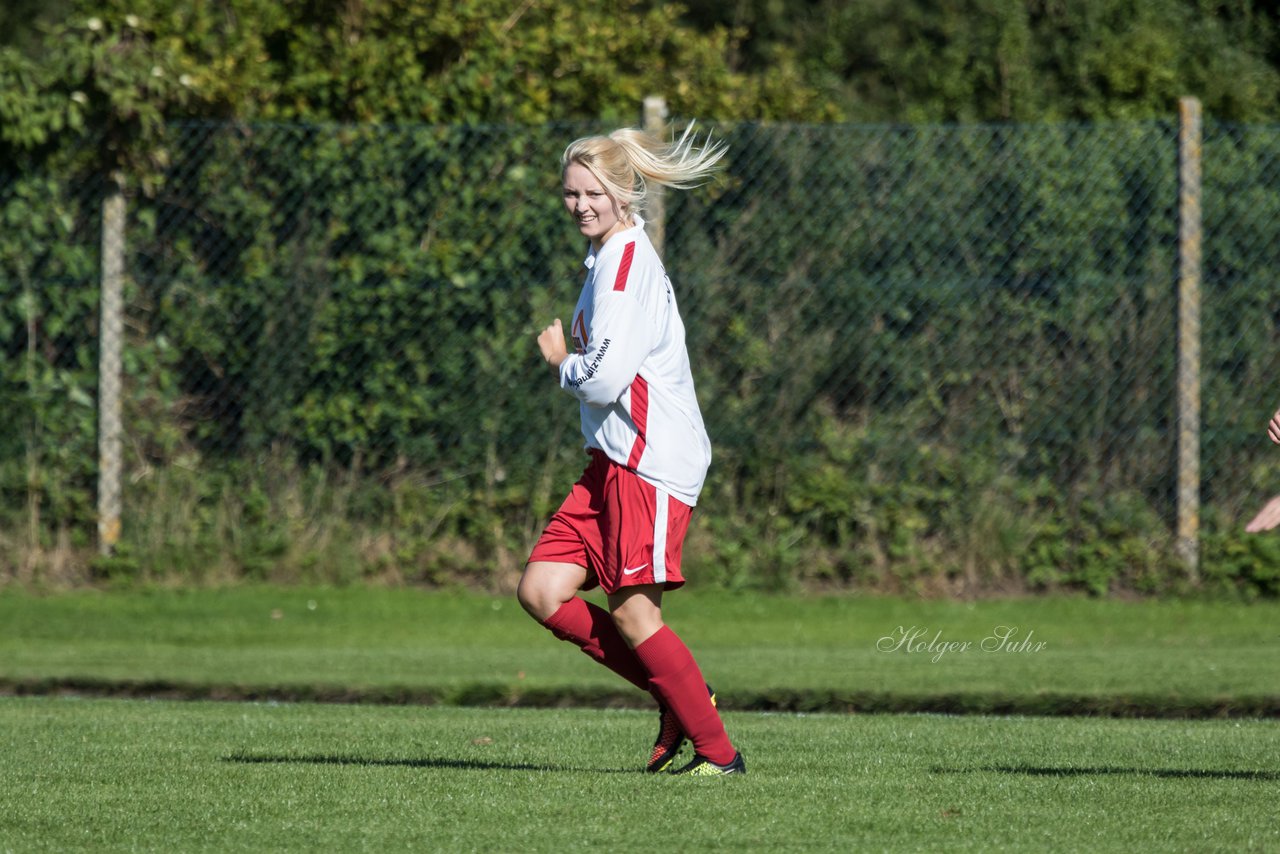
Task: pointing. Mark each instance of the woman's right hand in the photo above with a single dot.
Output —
(551, 343)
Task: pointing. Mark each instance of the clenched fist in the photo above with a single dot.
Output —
(551, 343)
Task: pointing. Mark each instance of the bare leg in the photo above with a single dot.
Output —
(548, 591)
(546, 586)
(637, 612)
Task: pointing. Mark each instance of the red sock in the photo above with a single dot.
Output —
(674, 675)
(591, 628)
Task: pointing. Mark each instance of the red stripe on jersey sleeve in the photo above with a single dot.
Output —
(640, 417)
(624, 267)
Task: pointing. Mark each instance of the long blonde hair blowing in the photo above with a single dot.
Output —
(625, 161)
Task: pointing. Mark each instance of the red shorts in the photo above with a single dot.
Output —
(624, 530)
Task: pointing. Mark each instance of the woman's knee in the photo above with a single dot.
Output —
(637, 612)
(533, 597)
(544, 587)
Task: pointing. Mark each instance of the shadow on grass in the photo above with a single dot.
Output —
(425, 762)
(1174, 773)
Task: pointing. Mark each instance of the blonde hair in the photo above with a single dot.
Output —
(627, 160)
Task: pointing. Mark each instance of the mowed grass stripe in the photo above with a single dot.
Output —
(1048, 656)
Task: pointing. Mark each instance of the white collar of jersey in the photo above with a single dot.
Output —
(590, 260)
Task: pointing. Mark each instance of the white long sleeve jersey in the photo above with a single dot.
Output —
(631, 369)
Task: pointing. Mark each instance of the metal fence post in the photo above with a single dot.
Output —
(110, 342)
(655, 122)
(1190, 242)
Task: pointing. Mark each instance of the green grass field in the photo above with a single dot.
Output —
(759, 652)
(467, 773)
(137, 775)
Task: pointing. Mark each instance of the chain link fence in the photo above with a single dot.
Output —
(925, 355)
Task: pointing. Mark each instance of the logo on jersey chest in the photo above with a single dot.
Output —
(579, 332)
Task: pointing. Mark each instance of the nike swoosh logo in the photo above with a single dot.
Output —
(634, 571)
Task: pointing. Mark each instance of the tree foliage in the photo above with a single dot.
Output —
(992, 60)
(533, 61)
(386, 61)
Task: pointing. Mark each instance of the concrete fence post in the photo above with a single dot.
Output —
(1190, 250)
(655, 122)
(110, 344)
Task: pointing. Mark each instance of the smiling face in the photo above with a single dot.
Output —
(592, 208)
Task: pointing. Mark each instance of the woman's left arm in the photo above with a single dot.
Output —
(621, 338)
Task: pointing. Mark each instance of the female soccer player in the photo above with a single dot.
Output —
(623, 525)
